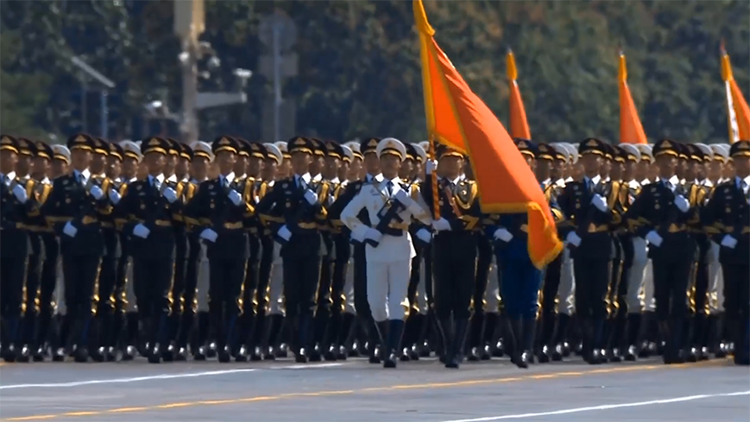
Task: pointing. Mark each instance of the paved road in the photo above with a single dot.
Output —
(355, 391)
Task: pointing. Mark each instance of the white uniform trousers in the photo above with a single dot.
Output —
(129, 290)
(349, 307)
(715, 280)
(567, 288)
(649, 302)
(276, 285)
(492, 294)
(637, 274)
(388, 288)
(422, 288)
(203, 280)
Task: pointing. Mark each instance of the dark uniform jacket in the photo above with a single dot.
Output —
(727, 212)
(459, 205)
(14, 240)
(589, 223)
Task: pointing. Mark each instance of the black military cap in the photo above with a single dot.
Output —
(81, 141)
(174, 147)
(442, 150)
(629, 152)
(684, 152)
(186, 152)
(320, 149)
(258, 150)
(694, 153)
(155, 144)
(369, 145)
(100, 146)
(44, 150)
(666, 147)
(226, 143)
(526, 147)
(612, 152)
(27, 147)
(115, 150)
(8, 143)
(300, 144)
(740, 149)
(244, 147)
(411, 153)
(545, 152)
(333, 149)
(592, 146)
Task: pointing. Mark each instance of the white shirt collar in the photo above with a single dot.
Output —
(569, 179)
(10, 177)
(546, 182)
(172, 178)
(645, 181)
(560, 183)
(594, 180)
(306, 177)
(229, 177)
(738, 181)
(318, 177)
(633, 184)
(456, 180)
(369, 178)
(335, 180)
(674, 180)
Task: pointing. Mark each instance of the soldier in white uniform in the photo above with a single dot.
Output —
(389, 249)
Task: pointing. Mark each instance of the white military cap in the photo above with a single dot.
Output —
(706, 150)
(137, 143)
(425, 146)
(720, 151)
(202, 149)
(420, 152)
(391, 146)
(633, 152)
(348, 153)
(645, 150)
(572, 152)
(561, 150)
(131, 149)
(354, 146)
(274, 152)
(281, 145)
(61, 152)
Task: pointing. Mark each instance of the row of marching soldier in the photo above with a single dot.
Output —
(247, 251)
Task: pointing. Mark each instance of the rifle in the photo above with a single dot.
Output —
(388, 213)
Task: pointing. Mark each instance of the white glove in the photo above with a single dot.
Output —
(235, 197)
(599, 202)
(311, 197)
(729, 241)
(430, 166)
(653, 238)
(682, 203)
(503, 234)
(441, 224)
(141, 231)
(573, 239)
(96, 192)
(424, 235)
(20, 193)
(209, 234)
(403, 197)
(114, 196)
(170, 194)
(373, 234)
(284, 233)
(70, 229)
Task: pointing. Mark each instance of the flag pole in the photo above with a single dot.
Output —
(433, 180)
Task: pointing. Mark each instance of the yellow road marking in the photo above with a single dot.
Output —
(554, 375)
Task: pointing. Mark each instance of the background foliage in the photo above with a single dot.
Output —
(359, 63)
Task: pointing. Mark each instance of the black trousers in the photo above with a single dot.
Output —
(48, 285)
(592, 281)
(251, 275)
(190, 291)
(736, 290)
(360, 283)
(549, 299)
(182, 251)
(671, 280)
(264, 274)
(81, 277)
(225, 294)
(108, 278)
(152, 285)
(12, 278)
(414, 279)
(33, 287)
(323, 298)
(484, 262)
(454, 275)
(300, 285)
(338, 280)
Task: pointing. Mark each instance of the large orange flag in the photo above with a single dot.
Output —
(631, 129)
(519, 127)
(738, 113)
(460, 119)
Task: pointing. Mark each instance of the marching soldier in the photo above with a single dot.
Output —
(717, 343)
(389, 247)
(146, 213)
(584, 203)
(660, 214)
(14, 246)
(73, 208)
(727, 219)
(454, 249)
(219, 208)
(293, 209)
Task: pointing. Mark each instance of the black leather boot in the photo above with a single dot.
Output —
(393, 344)
(456, 345)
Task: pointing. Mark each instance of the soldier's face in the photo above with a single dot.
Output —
(556, 169)
(226, 161)
(372, 164)
(741, 166)
(729, 169)
(183, 166)
(301, 162)
(114, 167)
(332, 166)
(285, 169)
(254, 165)
(129, 167)
(628, 170)
(715, 170)
(355, 169)
(98, 163)
(615, 172)
(240, 166)
(407, 167)
(58, 168)
(41, 166)
(154, 162)
(591, 163)
(451, 166)
(8, 160)
(80, 158)
(199, 168)
(170, 162)
(543, 169)
(270, 167)
(667, 165)
(343, 171)
(390, 165)
(23, 164)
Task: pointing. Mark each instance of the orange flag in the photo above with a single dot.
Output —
(631, 129)
(519, 127)
(460, 119)
(738, 113)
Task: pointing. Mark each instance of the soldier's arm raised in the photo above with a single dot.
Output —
(352, 209)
